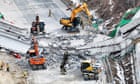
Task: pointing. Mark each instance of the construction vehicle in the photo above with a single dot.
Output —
(36, 61)
(71, 23)
(37, 27)
(14, 54)
(89, 71)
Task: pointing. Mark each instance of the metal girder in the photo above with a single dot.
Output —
(130, 26)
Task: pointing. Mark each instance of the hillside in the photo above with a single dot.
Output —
(108, 9)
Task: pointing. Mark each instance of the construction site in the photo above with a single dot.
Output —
(69, 41)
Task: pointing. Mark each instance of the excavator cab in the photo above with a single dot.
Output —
(37, 62)
(31, 53)
(89, 72)
(71, 27)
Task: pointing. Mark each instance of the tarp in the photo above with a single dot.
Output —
(1, 16)
(126, 18)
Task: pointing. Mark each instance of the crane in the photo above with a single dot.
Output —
(70, 24)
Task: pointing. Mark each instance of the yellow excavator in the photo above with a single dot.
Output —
(71, 24)
(89, 70)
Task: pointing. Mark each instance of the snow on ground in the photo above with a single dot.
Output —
(137, 62)
(77, 42)
(19, 15)
(76, 2)
(98, 39)
(53, 76)
(137, 15)
(50, 27)
(11, 13)
(14, 45)
(23, 13)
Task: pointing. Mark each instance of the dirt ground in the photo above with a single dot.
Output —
(15, 75)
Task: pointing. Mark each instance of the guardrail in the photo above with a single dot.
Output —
(14, 29)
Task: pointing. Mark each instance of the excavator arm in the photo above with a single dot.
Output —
(35, 46)
(36, 61)
(79, 9)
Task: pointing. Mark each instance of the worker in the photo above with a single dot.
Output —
(64, 62)
(7, 67)
(50, 13)
(37, 23)
(1, 65)
(37, 19)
